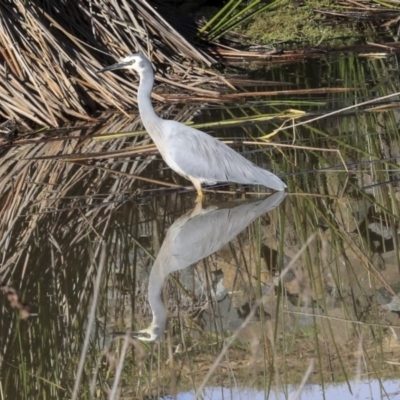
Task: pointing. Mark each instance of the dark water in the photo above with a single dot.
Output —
(313, 281)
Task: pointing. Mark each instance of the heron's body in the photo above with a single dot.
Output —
(191, 153)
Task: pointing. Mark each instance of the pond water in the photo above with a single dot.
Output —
(260, 292)
(371, 389)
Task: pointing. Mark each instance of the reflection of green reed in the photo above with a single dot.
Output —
(54, 213)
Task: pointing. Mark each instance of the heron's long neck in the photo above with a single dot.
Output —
(151, 121)
(156, 282)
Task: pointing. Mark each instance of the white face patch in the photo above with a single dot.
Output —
(131, 59)
(135, 62)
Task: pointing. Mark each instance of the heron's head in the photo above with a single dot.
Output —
(137, 62)
(150, 334)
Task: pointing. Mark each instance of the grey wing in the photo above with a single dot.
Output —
(201, 156)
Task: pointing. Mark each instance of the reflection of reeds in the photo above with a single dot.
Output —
(39, 188)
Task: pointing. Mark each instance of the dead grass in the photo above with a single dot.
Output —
(50, 50)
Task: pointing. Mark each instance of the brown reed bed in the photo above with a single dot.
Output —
(50, 50)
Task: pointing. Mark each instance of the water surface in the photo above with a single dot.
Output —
(335, 237)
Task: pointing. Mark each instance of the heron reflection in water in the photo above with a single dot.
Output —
(193, 236)
(189, 152)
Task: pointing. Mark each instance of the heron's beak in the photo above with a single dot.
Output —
(113, 67)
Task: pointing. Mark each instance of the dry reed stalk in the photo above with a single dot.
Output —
(335, 112)
(229, 97)
(91, 321)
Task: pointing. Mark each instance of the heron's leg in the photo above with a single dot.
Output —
(197, 185)
(198, 209)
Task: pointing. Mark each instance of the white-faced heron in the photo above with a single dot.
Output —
(191, 153)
